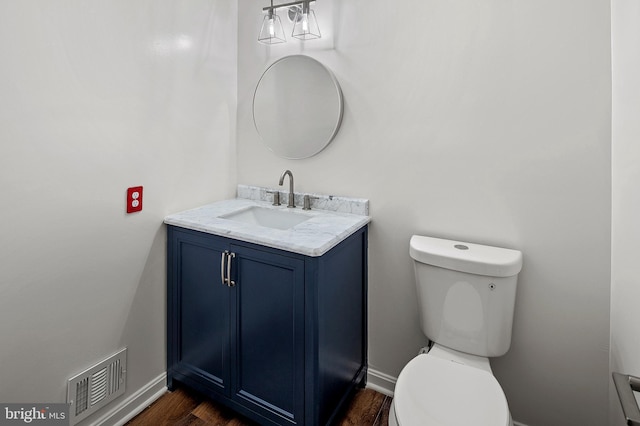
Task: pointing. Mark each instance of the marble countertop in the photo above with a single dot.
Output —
(313, 237)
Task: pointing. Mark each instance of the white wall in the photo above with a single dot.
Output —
(625, 288)
(97, 97)
(481, 121)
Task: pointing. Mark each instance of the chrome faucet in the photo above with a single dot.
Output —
(291, 196)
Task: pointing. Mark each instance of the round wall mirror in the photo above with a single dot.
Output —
(297, 107)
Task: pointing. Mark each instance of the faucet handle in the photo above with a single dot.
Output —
(307, 201)
(276, 197)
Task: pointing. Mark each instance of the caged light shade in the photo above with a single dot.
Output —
(305, 25)
(271, 31)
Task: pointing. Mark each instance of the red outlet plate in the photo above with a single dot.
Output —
(134, 199)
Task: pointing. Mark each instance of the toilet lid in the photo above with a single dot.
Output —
(438, 392)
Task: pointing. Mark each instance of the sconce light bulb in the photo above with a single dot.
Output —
(272, 28)
(305, 23)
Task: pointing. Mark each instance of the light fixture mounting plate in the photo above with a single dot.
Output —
(292, 12)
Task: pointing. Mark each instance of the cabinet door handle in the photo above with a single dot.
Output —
(230, 282)
(222, 265)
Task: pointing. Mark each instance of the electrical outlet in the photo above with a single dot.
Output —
(134, 199)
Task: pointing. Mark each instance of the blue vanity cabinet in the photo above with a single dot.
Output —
(285, 344)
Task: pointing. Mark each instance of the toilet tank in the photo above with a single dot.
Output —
(466, 293)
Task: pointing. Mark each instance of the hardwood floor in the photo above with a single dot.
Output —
(187, 408)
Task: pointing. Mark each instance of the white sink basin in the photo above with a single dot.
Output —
(270, 218)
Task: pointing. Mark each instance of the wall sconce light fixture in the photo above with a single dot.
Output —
(305, 25)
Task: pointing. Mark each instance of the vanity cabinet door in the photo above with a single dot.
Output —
(198, 312)
(268, 352)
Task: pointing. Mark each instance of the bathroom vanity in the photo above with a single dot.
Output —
(269, 322)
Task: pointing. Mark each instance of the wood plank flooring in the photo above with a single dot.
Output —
(184, 407)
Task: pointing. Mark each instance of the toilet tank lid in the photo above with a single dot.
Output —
(466, 257)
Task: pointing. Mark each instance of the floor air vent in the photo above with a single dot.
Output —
(95, 387)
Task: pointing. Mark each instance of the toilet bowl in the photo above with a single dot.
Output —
(444, 388)
(466, 296)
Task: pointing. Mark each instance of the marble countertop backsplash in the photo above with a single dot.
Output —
(332, 203)
(333, 220)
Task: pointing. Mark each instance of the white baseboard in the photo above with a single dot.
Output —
(518, 424)
(381, 382)
(134, 404)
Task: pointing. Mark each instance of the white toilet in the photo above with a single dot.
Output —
(466, 296)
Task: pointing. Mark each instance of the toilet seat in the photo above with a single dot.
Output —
(432, 391)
